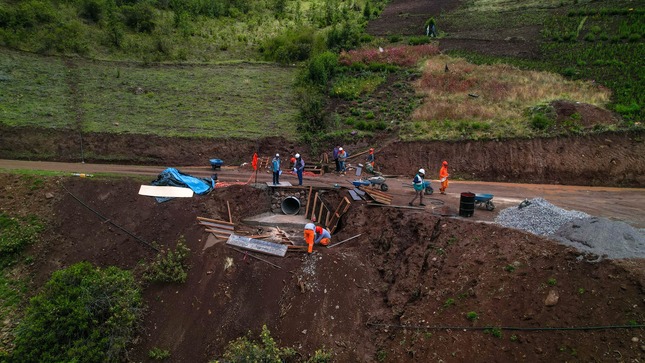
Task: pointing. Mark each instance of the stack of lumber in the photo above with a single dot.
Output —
(220, 229)
(378, 196)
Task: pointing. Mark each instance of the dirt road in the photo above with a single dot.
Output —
(625, 204)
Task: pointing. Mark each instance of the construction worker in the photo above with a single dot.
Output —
(316, 235)
(342, 157)
(299, 168)
(369, 162)
(443, 177)
(370, 157)
(322, 236)
(419, 186)
(275, 167)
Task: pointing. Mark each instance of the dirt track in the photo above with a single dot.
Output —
(624, 204)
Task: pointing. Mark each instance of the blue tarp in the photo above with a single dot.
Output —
(175, 178)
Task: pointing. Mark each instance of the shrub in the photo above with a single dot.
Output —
(541, 122)
(83, 314)
(139, 17)
(472, 316)
(348, 36)
(266, 350)
(92, 10)
(158, 354)
(294, 45)
(169, 266)
(311, 104)
(321, 68)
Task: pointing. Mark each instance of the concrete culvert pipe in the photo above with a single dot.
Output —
(290, 205)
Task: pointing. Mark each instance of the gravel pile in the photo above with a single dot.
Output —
(599, 236)
(602, 237)
(539, 217)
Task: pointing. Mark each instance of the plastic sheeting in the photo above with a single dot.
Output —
(175, 178)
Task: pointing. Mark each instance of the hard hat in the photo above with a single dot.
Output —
(277, 155)
(341, 149)
(297, 156)
(319, 229)
(310, 226)
(371, 149)
(422, 171)
(445, 162)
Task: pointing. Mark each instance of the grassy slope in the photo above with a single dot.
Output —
(207, 100)
(582, 39)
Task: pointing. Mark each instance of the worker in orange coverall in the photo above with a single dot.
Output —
(443, 177)
(316, 235)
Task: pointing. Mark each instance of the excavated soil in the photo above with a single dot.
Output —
(398, 293)
(401, 292)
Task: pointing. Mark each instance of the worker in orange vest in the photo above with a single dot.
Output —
(443, 177)
(316, 235)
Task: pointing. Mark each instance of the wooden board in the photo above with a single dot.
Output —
(359, 192)
(165, 191)
(251, 244)
(354, 195)
(379, 196)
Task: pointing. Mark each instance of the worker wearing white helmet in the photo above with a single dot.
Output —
(299, 168)
(419, 185)
(342, 158)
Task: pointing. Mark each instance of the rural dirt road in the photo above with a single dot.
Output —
(625, 204)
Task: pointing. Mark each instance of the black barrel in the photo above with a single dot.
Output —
(467, 204)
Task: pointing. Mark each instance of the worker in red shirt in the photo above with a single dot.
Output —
(316, 235)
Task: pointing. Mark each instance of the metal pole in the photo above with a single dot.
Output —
(343, 241)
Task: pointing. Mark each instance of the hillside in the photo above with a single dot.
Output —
(524, 92)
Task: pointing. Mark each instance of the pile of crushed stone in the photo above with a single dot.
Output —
(599, 236)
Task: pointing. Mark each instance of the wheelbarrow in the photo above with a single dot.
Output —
(375, 182)
(485, 200)
(216, 163)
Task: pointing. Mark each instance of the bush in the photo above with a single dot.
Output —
(266, 350)
(541, 122)
(139, 17)
(321, 68)
(294, 45)
(169, 266)
(311, 104)
(83, 314)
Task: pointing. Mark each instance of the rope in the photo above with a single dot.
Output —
(422, 327)
(108, 220)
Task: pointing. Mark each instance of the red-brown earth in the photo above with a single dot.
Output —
(400, 292)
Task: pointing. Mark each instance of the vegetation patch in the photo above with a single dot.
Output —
(169, 265)
(487, 101)
(82, 313)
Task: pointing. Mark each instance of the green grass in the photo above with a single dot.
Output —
(603, 41)
(246, 100)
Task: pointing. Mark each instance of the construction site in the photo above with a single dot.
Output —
(396, 283)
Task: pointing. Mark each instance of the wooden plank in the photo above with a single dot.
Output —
(266, 247)
(228, 206)
(322, 205)
(216, 225)
(313, 208)
(359, 192)
(218, 234)
(354, 195)
(165, 191)
(214, 220)
(308, 202)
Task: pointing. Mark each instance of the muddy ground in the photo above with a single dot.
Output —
(410, 268)
(399, 293)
